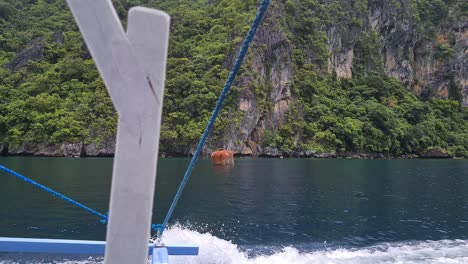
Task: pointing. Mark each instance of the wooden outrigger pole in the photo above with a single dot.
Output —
(132, 66)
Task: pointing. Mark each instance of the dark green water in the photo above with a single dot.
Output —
(260, 205)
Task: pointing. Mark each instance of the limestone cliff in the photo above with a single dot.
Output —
(429, 57)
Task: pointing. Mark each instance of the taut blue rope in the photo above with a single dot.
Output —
(59, 195)
(243, 51)
(160, 227)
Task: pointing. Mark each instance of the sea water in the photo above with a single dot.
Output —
(215, 250)
(261, 210)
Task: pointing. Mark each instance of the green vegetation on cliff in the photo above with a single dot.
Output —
(54, 94)
(369, 114)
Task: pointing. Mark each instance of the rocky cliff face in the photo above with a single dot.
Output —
(33, 51)
(422, 60)
(64, 149)
(416, 58)
(272, 65)
(427, 63)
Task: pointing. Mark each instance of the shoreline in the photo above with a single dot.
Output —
(241, 156)
(81, 150)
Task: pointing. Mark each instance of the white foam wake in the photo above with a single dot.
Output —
(214, 250)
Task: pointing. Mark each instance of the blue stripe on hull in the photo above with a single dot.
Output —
(79, 247)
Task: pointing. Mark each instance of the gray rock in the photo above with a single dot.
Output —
(4, 149)
(409, 156)
(58, 37)
(307, 154)
(435, 153)
(65, 149)
(33, 51)
(72, 149)
(325, 155)
(25, 149)
(105, 149)
(270, 152)
(367, 155)
(48, 150)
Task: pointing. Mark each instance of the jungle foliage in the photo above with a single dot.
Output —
(62, 98)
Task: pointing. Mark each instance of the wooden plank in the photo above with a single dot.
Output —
(134, 77)
(78, 247)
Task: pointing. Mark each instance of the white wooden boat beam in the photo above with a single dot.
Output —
(132, 66)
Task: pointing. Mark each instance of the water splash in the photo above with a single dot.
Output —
(214, 250)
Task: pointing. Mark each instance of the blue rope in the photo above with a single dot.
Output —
(243, 51)
(59, 195)
(160, 227)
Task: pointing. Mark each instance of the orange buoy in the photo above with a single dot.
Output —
(223, 157)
